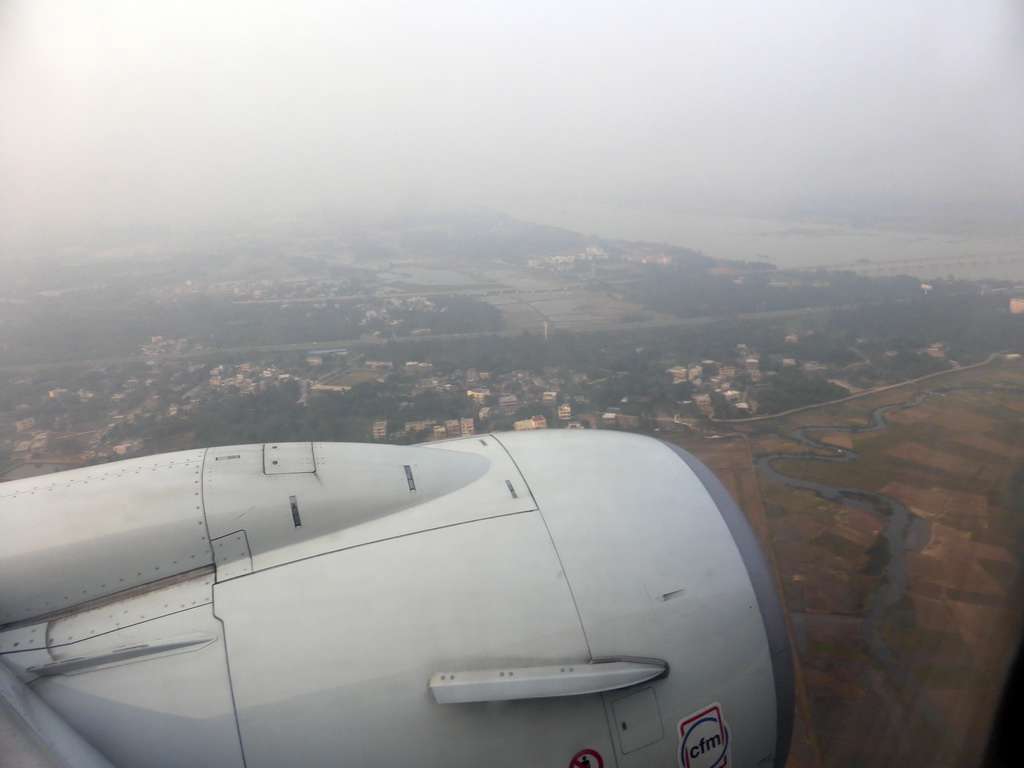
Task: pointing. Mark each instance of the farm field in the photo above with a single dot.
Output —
(956, 462)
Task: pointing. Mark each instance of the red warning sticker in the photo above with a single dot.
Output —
(586, 758)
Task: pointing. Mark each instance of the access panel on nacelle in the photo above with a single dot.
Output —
(332, 655)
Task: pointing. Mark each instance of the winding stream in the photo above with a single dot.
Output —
(903, 530)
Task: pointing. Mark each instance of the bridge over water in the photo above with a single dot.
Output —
(931, 265)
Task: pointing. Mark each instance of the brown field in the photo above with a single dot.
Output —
(951, 461)
(932, 458)
(357, 377)
(932, 502)
(858, 526)
(763, 445)
(350, 377)
(932, 615)
(996, 447)
(961, 419)
(838, 439)
(911, 415)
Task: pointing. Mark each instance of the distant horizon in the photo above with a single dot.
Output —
(119, 115)
(1005, 217)
(932, 245)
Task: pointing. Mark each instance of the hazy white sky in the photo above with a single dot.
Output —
(129, 110)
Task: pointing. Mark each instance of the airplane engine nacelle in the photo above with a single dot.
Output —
(557, 598)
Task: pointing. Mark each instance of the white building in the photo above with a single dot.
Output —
(478, 395)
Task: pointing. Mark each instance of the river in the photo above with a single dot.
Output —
(797, 243)
(903, 530)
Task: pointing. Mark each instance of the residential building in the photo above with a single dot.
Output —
(508, 403)
(478, 395)
(416, 426)
(537, 422)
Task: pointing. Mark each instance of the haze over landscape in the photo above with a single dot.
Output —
(787, 238)
(872, 113)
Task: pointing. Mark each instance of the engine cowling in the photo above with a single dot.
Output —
(544, 598)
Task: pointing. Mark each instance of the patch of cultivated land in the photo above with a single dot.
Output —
(838, 439)
(957, 461)
(352, 377)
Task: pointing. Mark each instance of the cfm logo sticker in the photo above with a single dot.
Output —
(704, 739)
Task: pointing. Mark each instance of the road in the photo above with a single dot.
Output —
(681, 322)
(865, 393)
